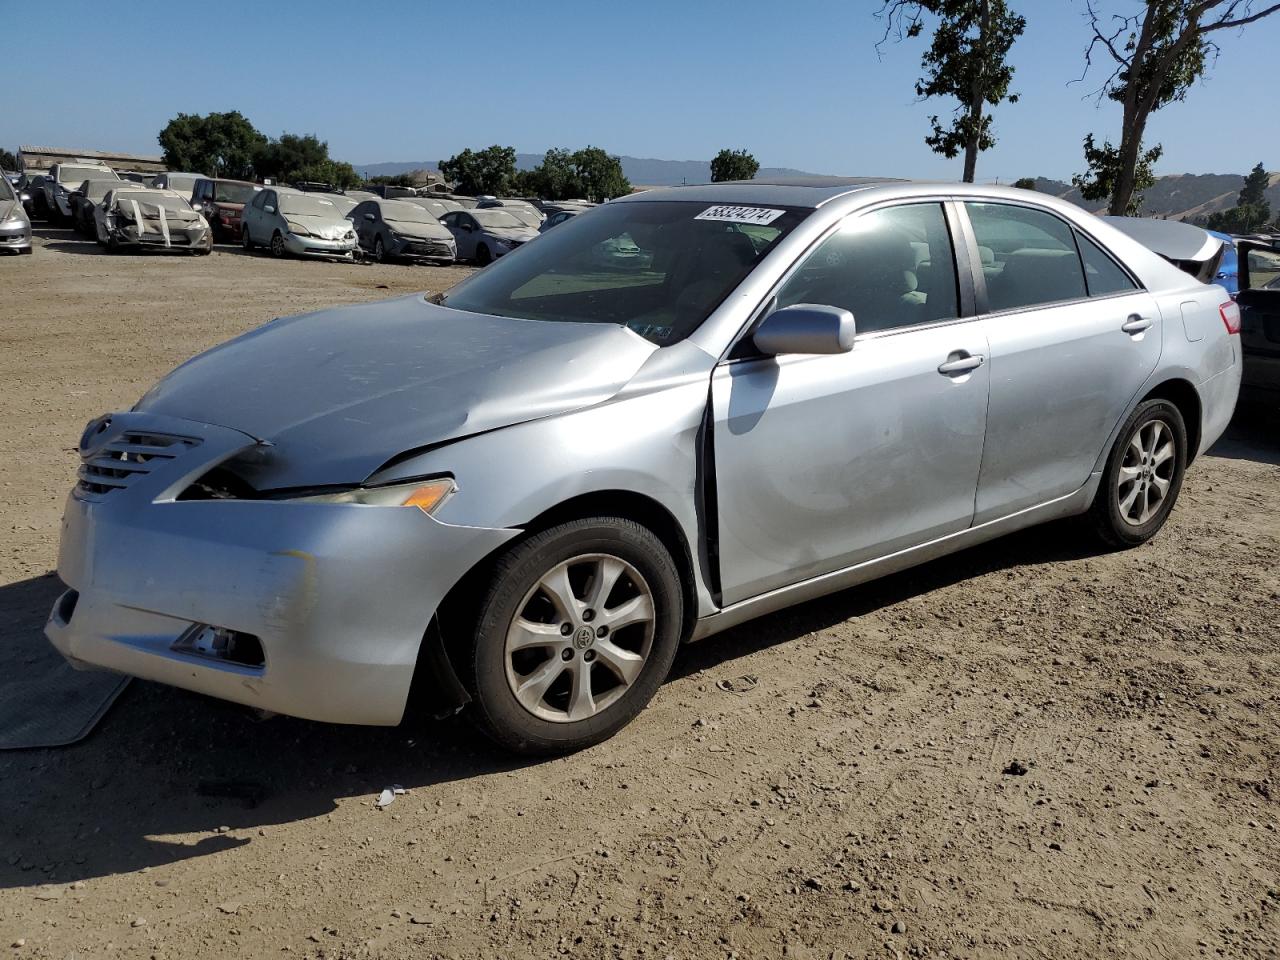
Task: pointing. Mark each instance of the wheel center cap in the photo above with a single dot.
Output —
(584, 638)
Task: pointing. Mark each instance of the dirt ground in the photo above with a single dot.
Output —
(835, 780)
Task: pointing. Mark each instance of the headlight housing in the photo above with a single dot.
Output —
(298, 229)
(427, 495)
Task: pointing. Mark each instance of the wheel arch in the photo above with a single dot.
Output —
(1183, 395)
(436, 689)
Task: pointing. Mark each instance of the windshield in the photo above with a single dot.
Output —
(405, 212)
(302, 205)
(233, 192)
(97, 189)
(657, 267)
(68, 175)
(497, 218)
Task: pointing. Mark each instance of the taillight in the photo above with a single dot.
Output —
(1230, 313)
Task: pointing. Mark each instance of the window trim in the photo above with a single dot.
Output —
(980, 280)
(966, 301)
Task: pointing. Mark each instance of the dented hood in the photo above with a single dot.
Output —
(339, 392)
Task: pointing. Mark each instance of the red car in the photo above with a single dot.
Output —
(221, 202)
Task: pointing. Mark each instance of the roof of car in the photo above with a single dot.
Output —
(784, 191)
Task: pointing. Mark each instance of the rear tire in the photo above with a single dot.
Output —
(246, 242)
(546, 679)
(1143, 476)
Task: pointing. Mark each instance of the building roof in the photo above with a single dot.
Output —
(45, 157)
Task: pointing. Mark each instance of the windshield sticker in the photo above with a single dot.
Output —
(729, 214)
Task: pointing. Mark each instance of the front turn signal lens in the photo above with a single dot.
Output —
(431, 495)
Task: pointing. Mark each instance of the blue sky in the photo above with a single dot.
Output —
(798, 83)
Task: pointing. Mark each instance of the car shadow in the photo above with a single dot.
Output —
(165, 762)
(1254, 431)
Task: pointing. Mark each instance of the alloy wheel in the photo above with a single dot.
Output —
(580, 638)
(1146, 473)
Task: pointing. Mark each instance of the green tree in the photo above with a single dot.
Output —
(7, 160)
(733, 165)
(1025, 183)
(391, 180)
(1252, 211)
(491, 171)
(967, 60)
(217, 144)
(293, 157)
(1104, 174)
(599, 175)
(1157, 52)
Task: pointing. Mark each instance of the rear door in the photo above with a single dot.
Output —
(1072, 338)
(823, 462)
(1259, 301)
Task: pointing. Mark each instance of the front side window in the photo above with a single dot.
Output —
(889, 268)
(659, 267)
(1028, 256)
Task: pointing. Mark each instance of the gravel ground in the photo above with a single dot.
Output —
(1031, 749)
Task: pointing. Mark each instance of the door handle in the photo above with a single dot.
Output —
(1136, 323)
(961, 362)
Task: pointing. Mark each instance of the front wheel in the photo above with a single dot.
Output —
(379, 251)
(576, 633)
(483, 256)
(277, 245)
(1143, 476)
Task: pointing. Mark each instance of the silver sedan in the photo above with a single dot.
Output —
(15, 226)
(524, 494)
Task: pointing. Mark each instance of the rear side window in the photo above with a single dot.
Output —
(1028, 257)
(1102, 274)
(889, 268)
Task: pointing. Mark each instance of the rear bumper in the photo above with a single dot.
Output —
(338, 595)
(1218, 396)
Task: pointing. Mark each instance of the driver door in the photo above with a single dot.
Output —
(825, 462)
(1259, 300)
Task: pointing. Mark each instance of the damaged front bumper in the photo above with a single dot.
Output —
(311, 246)
(171, 236)
(316, 610)
(411, 248)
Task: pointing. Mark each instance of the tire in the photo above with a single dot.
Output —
(1143, 476)
(379, 251)
(501, 656)
(246, 242)
(277, 245)
(483, 256)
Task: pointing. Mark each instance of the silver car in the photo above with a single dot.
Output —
(485, 235)
(288, 221)
(524, 494)
(15, 226)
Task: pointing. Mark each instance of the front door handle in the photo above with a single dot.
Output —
(960, 362)
(1136, 324)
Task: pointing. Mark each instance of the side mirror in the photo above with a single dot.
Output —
(805, 328)
(268, 208)
(369, 217)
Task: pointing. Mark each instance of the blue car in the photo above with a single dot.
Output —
(1228, 274)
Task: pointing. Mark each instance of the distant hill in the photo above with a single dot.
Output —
(640, 171)
(1189, 195)
(1176, 196)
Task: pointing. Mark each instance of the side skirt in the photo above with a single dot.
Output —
(744, 610)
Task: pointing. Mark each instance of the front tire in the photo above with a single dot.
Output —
(277, 245)
(379, 251)
(574, 636)
(1143, 476)
(483, 256)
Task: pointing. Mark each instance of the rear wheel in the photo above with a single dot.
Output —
(574, 637)
(1143, 476)
(245, 240)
